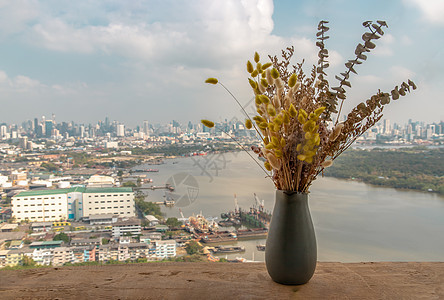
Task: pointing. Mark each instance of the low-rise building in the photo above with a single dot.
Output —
(86, 242)
(165, 249)
(40, 206)
(128, 227)
(106, 201)
(101, 219)
(62, 255)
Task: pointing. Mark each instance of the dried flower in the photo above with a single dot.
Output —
(208, 123)
(295, 112)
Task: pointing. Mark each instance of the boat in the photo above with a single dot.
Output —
(260, 247)
(218, 238)
(252, 233)
(225, 223)
(228, 249)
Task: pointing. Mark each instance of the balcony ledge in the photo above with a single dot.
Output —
(380, 280)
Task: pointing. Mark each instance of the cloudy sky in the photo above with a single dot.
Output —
(148, 59)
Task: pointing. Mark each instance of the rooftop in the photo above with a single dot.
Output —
(73, 190)
(382, 280)
(109, 190)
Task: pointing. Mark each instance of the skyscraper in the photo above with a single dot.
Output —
(120, 130)
(146, 128)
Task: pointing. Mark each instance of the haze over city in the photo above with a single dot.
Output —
(147, 60)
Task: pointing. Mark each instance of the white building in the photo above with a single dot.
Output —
(165, 249)
(40, 206)
(74, 203)
(120, 130)
(129, 227)
(108, 201)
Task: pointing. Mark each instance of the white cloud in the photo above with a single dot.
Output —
(384, 45)
(433, 10)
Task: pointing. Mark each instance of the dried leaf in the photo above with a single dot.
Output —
(353, 70)
(362, 56)
(347, 83)
(346, 75)
(341, 96)
(378, 29)
(395, 94)
(369, 45)
(382, 23)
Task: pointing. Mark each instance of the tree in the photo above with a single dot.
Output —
(173, 222)
(129, 184)
(61, 237)
(193, 248)
(28, 261)
(105, 241)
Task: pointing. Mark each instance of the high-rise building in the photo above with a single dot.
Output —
(49, 125)
(120, 130)
(146, 128)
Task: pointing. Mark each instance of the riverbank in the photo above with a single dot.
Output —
(380, 280)
(412, 168)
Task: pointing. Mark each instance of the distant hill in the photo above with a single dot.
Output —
(412, 168)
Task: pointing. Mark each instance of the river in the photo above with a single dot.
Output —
(353, 221)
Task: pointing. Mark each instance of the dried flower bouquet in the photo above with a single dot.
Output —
(294, 111)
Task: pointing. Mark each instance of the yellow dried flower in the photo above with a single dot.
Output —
(278, 153)
(292, 111)
(275, 141)
(269, 146)
(319, 110)
(274, 73)
(271, 110)
(252, 83)
(254, 73)
(256, 57)
(276, 127)
(263, 125)
(264, 99)
(266, 140)
(258, 100)
(250, 67)
(301, 118)
(211, 80)
(309, 159)
(308, 135)
(283, 143)
(260, 111)
(264, 82)
(266, 66)
(301, 157)
(259, 67)
(292, 80)
(298, 147)
(278, 120)
(286, 117)
(248, 124)
(267, 166)
(207, 123)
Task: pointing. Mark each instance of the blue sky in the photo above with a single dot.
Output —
(147, 60)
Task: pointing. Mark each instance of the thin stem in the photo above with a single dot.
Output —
(243, 148)
(246, 114)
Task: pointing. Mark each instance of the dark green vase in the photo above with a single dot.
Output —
(290, 252)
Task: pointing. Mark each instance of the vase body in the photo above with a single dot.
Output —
(291, 252)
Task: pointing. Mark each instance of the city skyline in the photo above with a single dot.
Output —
(148, 60)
